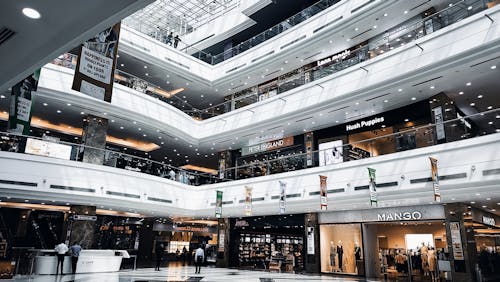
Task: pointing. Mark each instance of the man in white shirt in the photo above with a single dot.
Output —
(199, 258)
(61, 250)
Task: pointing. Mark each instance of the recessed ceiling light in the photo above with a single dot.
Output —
(58, 111)
(413, 98)
(2, 97)
(374, 26)
(31, 13)
(461, 93)
(146, 74)
(493, 67)
(432, 87)
(490, 107)
(356, 29)
(45, 104)
(469, 8)
(121, 127)
(472, 104)
(498, 116)
(122, 65)
(144, 136)
(399, 90)
(472, 202)
(139, 129)
(385, 101)
(385, 15)
(488, 199)
(406, 12)
(468, 83)
(490, 123)
(406, 120)
(145, 67)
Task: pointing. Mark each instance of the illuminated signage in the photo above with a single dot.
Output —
(392, 216)
(489, 221)
(267, 146)
(364, 123)
(339, 56)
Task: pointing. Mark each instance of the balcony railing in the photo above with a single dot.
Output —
(461, 128)
(388, 42)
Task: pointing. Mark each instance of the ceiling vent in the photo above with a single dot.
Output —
(5, 34)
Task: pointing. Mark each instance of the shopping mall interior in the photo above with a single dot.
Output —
(263, 140)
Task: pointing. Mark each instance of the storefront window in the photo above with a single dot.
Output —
(341, 248)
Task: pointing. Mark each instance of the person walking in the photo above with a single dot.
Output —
(176, 40)
(75, 253)
(199, 259)
(160, 250)
(169, 38)
(61, 250)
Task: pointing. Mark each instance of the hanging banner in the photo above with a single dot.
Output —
(373, 188)
(309, 143)
(96, 64)
(20, 104)
(282, 196)
(218, 205)
(310, 240)
(456, 241)
(248, 200)
(323, 192)
(222, 164)
(435, 179)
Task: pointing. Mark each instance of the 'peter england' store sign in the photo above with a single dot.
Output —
(267, 146)
(411, 213)
(339, 56)
(364, 123)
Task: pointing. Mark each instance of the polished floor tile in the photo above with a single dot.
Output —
(186, 273)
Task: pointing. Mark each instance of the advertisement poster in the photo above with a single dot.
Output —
(323, 192)
(248, 200)
(222, 164)
(221, 241)
(282, 197)
(438, 119)
(310, 240)
(218, 205)
(48, 149)
(308, 142)
(96, 64)
(331, 153)
(435, 179)
(373, 188)
(20, 104)
(456, 241)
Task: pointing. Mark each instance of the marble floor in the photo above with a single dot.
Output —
(186, 273)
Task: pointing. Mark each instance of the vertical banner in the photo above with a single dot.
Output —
(248, 200)
(323, 192)
(222, 164)
(435, 179)
(373, 187)
(20, 104)
(218, 205)
(282, 196)
(438, 119)
(96, 64)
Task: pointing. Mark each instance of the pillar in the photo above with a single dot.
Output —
(81, 226)
(223, 243)
(312, 260)
(94, 135)
(462, 263)
(370, 250)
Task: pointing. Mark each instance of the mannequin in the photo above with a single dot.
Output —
(432, 261)
(357, 251)
(423, 256)
(340, 253)
(333, 252)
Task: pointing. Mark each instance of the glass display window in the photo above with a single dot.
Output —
(341, 248)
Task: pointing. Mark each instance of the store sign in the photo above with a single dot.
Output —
(268, 146)
(241, 223)
(364, 123)
(190, 229)
(339, 56)
(84, 217)
(438, 119)
(221, 241)
(310, 240)
(489, 221)
(415, 215)
(264, 138)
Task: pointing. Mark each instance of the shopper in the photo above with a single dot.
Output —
(160, 250)
(61, 250)
(176, 40)
(169, 38)
(75, 253)
(199, 259)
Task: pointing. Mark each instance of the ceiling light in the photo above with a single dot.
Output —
(406, 120)
(406, 12)
(58, 111)
(144, 135)
(432, 87)
(2, 97)
(399, 90)
(139, 129)
(490, 123)
(469, 8)
(348, 39)
(168, 82)
(461, 93)
(356, 29)
(498, 116)
(374, 26)
(493, 67)
(45, 104)
(385, 15)
(31, 13)
(145, 67)
(385, 101)
(122, 65)
(413, 98)
(479, 96)
(121, 127)
(488, 199)
(82, 113)
(472, 202)
(468, 83)
(490, 107)
(472, 104)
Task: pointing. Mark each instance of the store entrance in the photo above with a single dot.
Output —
(405, 251)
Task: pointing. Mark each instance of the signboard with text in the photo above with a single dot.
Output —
(267, 146)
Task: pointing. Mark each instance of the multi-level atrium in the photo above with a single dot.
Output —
(263, 140)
